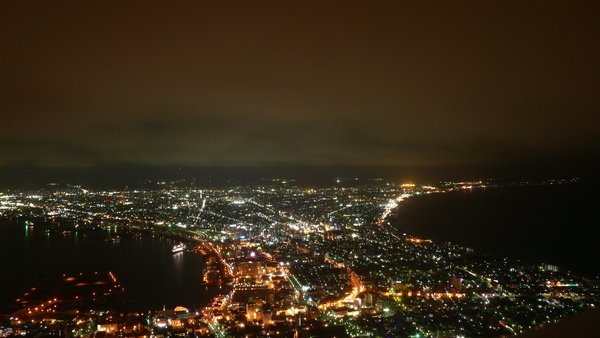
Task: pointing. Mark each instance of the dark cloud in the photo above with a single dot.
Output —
(348, 83)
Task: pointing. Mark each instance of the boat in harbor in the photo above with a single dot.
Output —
(178, 248)
(114, 239)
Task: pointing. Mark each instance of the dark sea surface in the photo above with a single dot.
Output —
(150, 273)
(557, 224)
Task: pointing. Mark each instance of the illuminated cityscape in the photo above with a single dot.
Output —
(288, 261)
(274, 168)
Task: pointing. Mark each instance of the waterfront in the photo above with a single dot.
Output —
(557, 224)
(152, 276)
(554, 224)
(328, 257)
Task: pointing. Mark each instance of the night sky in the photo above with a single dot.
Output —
(295, 83)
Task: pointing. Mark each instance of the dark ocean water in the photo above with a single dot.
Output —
(558, 224)
(151, 274)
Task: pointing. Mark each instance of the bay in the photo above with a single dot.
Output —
(556, 224)
(152, 276)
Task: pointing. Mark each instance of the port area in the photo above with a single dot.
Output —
(217, 272)
(70, 293)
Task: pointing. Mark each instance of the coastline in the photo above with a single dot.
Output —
(144, 265)
(534, 224)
